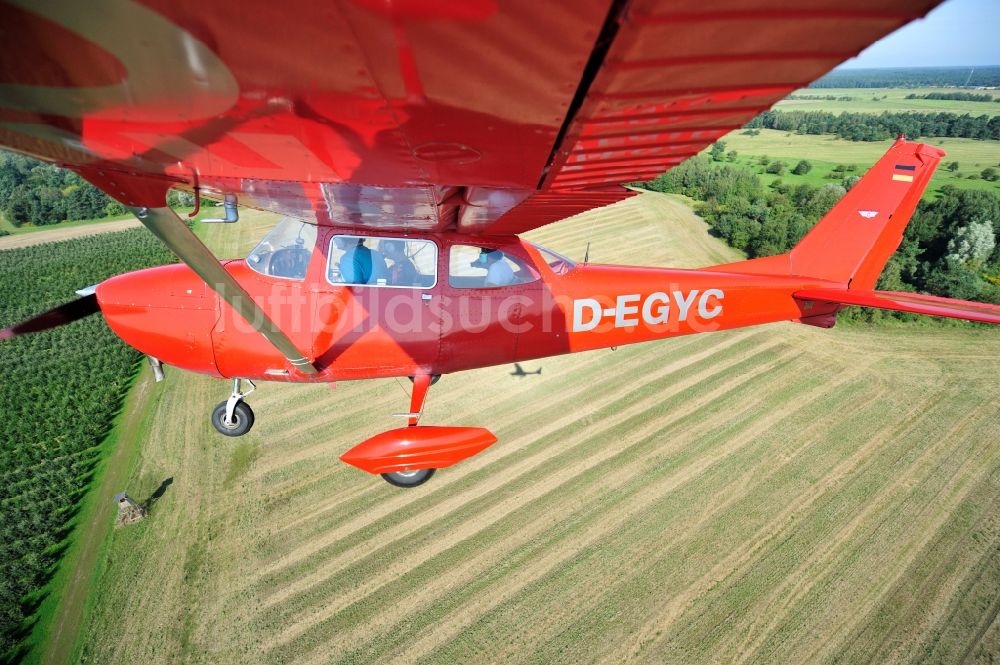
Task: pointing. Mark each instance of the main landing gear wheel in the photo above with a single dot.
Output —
(234, 417)
(240, 423)
(407, 479)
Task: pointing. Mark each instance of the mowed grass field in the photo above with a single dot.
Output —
(877, 100)
(826, 151)
(777, 494)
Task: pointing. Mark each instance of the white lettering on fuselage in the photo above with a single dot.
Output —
(654, 309)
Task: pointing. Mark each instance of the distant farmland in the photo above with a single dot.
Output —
(775, 494)
(826, 151)
(877, 100)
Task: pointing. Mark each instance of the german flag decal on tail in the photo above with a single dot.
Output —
(904, 172)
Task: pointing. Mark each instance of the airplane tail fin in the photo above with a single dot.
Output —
(852, 243)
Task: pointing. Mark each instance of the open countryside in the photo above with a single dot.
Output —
(826, 152)
(878, 100)
(780, 494)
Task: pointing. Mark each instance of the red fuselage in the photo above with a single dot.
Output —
(357, 332)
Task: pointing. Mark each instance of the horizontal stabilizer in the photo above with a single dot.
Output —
(906, 302)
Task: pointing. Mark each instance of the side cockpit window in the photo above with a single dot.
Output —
(389, 262)
(471, 267)
(285, 251)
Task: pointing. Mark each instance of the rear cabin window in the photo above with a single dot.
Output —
(472, 267)
(386, 262)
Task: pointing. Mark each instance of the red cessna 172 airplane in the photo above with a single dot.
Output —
(407, 143)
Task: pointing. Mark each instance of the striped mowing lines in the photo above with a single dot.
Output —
(773, 494)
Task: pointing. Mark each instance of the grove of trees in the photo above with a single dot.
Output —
(59, 391)
(40, 193)
(957, 96)
(951, 247)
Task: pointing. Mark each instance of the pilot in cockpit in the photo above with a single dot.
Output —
(498, 271)
(360, 265)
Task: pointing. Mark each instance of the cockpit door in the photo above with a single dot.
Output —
(378, 306)
(487, 291)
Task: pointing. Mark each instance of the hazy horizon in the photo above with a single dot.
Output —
(957, 33)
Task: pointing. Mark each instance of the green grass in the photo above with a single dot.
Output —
(694, 500)
(86, 526)
(877, 100)
(826, 152)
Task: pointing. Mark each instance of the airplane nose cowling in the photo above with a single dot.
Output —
(166, 312)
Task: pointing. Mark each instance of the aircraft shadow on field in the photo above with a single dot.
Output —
(520, 372)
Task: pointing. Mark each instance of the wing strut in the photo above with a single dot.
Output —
(175, 234)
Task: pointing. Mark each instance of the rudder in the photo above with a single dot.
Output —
(853, 242)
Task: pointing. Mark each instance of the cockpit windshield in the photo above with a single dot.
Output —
(559, 264)
(285, 251)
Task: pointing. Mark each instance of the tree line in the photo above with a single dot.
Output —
(951, 247)
(911, 77)
(39, 193)
(953, 96)
(877, 127)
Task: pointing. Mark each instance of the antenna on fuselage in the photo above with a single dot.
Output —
(586, 253)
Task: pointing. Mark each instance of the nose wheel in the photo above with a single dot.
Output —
(234, 417)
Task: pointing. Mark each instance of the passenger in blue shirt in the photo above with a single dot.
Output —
(360, 265)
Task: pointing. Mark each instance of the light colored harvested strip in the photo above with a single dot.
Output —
(451, 505)
(526, 532)
(798, 582)
(614, 520)
(524, 465)
(963, 482)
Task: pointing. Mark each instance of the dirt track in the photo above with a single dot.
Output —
(55, 235)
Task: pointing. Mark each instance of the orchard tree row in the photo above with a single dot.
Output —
(59, 391)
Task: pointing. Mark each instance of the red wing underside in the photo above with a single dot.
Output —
(479, 116)
(907, 302)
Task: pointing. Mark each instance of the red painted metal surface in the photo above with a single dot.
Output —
(479, 116)
(418, 447)
(357, 332)
(460, 123)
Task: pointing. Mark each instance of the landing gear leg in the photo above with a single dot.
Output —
(407, 477)
(421, 383)
(234, 417)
